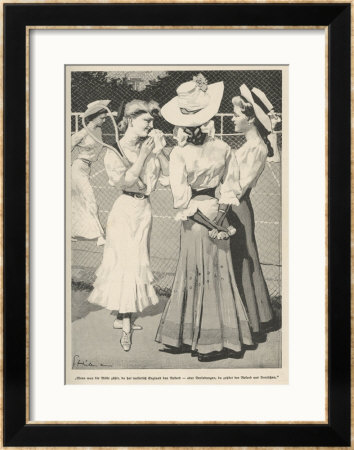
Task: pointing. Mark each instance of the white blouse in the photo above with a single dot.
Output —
(249, 163)
(201, 167)
(116, 170)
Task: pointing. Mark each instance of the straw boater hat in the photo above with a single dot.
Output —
(260, 96)
(195, 104)
(262, 99)
(259, 111)
(95, 107)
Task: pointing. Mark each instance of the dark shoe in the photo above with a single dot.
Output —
(236, 355)
(272, 325)
(259, 338)
(212, 356)
(175, 350)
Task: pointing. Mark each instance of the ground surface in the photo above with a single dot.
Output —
(95, 341)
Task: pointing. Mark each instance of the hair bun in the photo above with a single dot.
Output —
(154, 108)
(123, 125)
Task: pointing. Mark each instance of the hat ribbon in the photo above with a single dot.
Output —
(259, 102)
(189, 112)
(183, 138)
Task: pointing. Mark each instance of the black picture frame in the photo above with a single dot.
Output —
(19, 433)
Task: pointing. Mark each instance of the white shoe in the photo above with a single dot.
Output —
(101, 241)
(118, 324)
(126, 340)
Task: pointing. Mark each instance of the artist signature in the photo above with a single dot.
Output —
(85, 363)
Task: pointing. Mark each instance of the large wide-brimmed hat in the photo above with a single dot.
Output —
(195, 104)
(96, 106)
(263, 101)
(259, 111)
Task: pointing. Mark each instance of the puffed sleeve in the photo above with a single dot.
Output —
(181, 191)
(77, 137)
(230, 187)
(251, 162)
(115, 169)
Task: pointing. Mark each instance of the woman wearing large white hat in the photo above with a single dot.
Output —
(84, 212)
(251, 118)
(205, 312)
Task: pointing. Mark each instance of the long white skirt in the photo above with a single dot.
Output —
(124, 279)
(84, 212)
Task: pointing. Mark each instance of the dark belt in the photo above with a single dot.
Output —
(86, 161)
(209, 191)
(137, 195)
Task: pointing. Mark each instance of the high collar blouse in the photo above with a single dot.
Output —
(89, 149)
(116, 169)
(248, 165)
(201, 167)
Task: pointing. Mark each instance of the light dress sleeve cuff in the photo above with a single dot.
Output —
(184, 213)
(228, 198)
(164, 180)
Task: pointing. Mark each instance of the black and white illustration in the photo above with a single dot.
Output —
(175, 230)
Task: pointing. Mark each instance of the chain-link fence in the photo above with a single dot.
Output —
(164, 244)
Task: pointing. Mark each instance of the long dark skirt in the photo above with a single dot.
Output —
(205, 310)
(248, 273)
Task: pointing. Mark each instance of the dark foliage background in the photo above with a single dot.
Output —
(90, 86)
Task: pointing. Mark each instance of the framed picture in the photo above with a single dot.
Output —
(229, 352)
(176, 272)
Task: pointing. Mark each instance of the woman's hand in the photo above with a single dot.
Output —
(147, 147)
(213, 233)
(219, 232)
(223, 235)
(231, 230)
(159, 140)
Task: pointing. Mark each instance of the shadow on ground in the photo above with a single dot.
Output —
(277, 312)
(80, 307)
(154, 310)
(95, 340)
